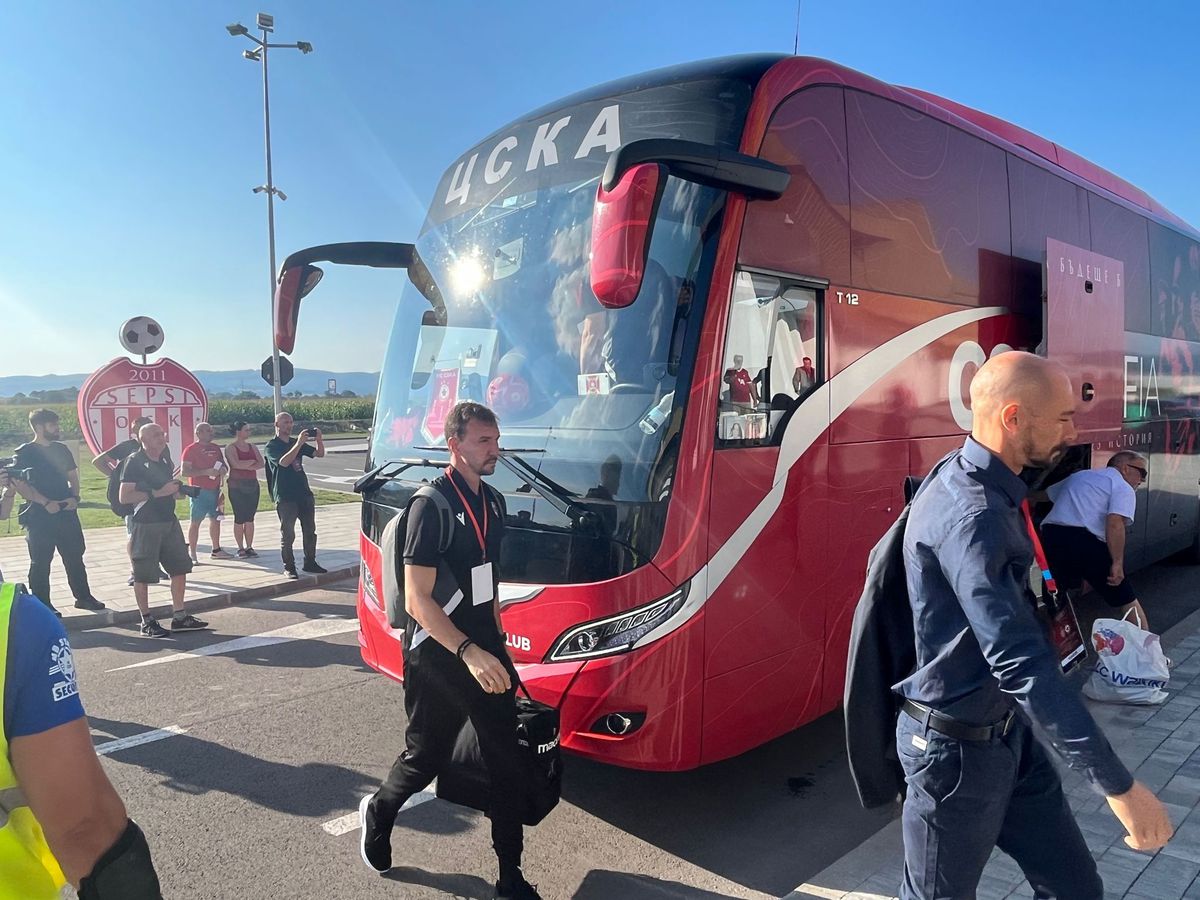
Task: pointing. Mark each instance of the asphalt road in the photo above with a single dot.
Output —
(264, 747)
(276, 740)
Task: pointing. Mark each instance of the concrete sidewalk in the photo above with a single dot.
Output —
(213, 583)
(1161, 746)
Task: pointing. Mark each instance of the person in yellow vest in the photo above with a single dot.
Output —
(60, 818)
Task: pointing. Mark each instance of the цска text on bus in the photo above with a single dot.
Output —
(722, 310)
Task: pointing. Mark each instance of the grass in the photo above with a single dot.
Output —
(94, 511)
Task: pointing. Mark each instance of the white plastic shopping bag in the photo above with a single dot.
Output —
(1130, 666)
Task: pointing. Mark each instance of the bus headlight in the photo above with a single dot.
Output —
(368, 583)
(617, 634)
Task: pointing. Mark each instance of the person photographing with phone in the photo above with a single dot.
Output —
(289, 489)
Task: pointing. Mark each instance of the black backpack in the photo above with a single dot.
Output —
(114, 486)
(114, 491)
(391, 546)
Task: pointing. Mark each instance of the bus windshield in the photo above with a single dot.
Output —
(504, 315)
(499, 309)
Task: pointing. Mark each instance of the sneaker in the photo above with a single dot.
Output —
(221, 553)
(290, 572)
(374, 846)
(311, 565)
(242, 554)
(89, 603)
(187, 623)
(250, 552)
(522, 890)
(194, 559)
(151, 629)
(131, 580)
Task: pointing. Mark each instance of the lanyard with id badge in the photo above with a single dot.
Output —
(482, 586)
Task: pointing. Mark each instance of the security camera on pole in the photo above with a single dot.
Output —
(266, 24)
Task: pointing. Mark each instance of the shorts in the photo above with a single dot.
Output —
(157, 544)
(1076, 555)
(204, 505)
(243, 496)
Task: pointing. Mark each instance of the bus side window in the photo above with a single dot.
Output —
(771, 360)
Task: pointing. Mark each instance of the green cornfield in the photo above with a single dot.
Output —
(14, 420)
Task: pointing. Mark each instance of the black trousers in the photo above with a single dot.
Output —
(439, 695)
(304, 509)
(62, 532)
(966, 797)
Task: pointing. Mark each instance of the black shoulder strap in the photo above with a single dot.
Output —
(444, 511)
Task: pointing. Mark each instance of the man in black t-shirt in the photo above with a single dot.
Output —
(148, 483)
(291, 493)
(49, 515)
(110, 460)
(455, 664)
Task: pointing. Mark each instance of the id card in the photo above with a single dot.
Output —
(481, 584)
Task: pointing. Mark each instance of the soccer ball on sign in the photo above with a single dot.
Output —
(141, 335)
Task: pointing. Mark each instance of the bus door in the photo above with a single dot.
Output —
(1085, 331)
(764, 624)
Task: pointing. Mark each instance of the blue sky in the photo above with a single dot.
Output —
(131, 134)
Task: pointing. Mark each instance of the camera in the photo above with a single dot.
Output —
(188, 490)
(7, 463)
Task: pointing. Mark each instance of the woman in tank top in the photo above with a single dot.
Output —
(244, 462)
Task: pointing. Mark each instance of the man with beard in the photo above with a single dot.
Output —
(455, 663)
(977, 777)
(49, 515)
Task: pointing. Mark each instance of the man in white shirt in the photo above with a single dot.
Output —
(1084, 534)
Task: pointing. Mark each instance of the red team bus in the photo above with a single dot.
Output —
(722, 311)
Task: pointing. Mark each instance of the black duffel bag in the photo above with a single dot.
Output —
(465, 779)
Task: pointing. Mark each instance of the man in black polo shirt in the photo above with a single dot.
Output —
(148, 483)
(455, 664)
(977, 776)
(291, 493)
(49, 515)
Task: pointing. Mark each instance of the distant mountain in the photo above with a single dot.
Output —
(307, 381)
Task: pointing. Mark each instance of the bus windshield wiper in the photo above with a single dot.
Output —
(377, 476)
(558, 496)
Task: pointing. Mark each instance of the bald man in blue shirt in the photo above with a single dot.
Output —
(977, 776)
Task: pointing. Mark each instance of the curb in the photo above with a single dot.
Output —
(210, 601)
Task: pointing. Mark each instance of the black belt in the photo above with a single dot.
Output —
(931, 718)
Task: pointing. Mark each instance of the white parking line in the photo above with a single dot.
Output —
(136, 740)
(306, 630)
(348, 823)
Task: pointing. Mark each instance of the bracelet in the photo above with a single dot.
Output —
(462, 648)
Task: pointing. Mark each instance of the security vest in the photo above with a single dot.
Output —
(28, 870)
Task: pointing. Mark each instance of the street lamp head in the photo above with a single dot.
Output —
(304, 46)
(237, 29)
(253, 55)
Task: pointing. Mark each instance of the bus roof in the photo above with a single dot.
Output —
(790, 73)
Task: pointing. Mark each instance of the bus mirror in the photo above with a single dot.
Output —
(622, 222)
(294, 285)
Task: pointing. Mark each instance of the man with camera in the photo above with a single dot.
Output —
(49, 513)
(148, 483)
(291, 493)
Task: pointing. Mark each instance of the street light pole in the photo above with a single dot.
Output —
(266, 24)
